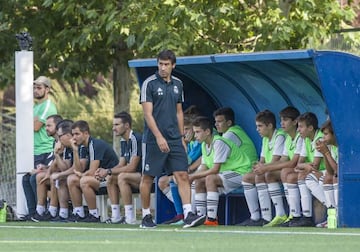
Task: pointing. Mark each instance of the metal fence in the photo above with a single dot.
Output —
(7, 159)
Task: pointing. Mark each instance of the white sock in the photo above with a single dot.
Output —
(265, 201)
(306, 199)
(212, 202)
(40, 209)
(168, 194)
(315, 188)
(79, 211)
(285, 185)
(200, 203)
(53, 210)
(294, 200)
(145, 211)
(115, 213)
(64, 212)
(329, 195)
(252, 200)
(129, 214)
(336, 194)
(277, 199)
(193, 192)
(94, 212)
(186, 209)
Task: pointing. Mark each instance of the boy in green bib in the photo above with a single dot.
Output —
(276, 171)
(255, 187)
(222, 166)
(310, 168)
(328, 147)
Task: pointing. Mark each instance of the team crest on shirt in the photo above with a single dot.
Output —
(176, 90)
(147, 167)
(160, 91)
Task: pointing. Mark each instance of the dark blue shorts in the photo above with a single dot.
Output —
(44, 159)
(156, 163)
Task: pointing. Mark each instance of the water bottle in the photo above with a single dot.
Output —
(2, 211)
(331, 219)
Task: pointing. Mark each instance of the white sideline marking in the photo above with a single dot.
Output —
(191, 230)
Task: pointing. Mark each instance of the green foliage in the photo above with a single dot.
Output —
(97, 111)
(74, 39)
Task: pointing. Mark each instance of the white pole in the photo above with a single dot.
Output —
(24, 77)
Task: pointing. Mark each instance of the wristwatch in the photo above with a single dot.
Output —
(109, 172)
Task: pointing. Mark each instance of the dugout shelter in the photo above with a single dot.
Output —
(310, 80)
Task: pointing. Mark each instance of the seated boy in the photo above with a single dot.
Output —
(221, 170)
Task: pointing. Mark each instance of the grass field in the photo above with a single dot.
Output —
(29, 236)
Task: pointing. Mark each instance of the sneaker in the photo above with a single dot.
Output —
(120, 221)
(276, 221)
(175, 219)
(147, 222)
(253, 223)
(45, 217)
(178, 223)
(91, 218)
(287, 222)
(75, 218)
(58, 218)
(323, 224)
(211, 222)
(193, 220)
(302, 222)
(25, 218)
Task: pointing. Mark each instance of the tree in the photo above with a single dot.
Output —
(75, 39)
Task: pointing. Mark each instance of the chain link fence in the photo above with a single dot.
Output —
(7, 159)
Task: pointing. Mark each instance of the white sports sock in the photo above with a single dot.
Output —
(129, 214)
(200, 203)
(294, 200)
(315, 188)
(306, 199)
(40, 209)
(252, 200)
(145, 211)
(285, 185)
(329, 195)
(94, 212)
(336, 194)
(115, 213)
(168, 194)
(276, 198)
(193, 192)
(53, 210)
(212, 201)
(64, 212)
(186, 209)
(265, 201)
(79, 211)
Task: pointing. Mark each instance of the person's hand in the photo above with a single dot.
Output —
(162, 143)
(191, 179)
(304, 168)
(45, 178)
(77, 173)
(74, 146)
(321, 146)
(55, 176)
(100, 174)
(189, 137)
(58, 148)
(259, 168)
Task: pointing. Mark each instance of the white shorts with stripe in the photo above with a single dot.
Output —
(231, 181)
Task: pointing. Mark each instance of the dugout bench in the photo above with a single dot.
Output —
(310, 80)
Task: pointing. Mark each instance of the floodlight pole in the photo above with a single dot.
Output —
(24, 76)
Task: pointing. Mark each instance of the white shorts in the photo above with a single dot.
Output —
(231, 181)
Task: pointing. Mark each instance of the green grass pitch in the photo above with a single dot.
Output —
(68, 237)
